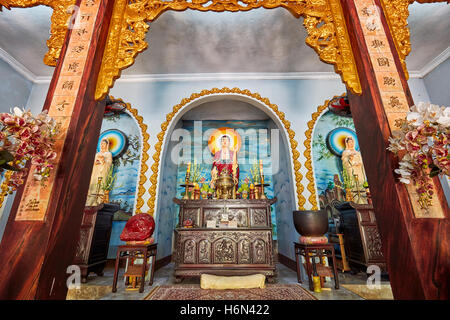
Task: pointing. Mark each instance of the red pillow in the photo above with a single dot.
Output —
(138, 228)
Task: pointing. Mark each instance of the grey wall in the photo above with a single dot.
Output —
(14, 88)
(437, 83)
(14, 91)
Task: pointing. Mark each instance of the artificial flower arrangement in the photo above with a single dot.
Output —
(244, 188)
(24, 137)
(422, 145)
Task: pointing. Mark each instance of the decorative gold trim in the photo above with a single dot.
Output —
(397, 12)
(60, 19)
(203, 93)
(323, 20)
(308, 164)
(4, 189)
(144, 155)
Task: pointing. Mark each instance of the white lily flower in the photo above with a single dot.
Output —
(444, 121)
(405, 181)
(433, 113)
(415, 119)
(17, 111)
(421, 107)
(402, 172)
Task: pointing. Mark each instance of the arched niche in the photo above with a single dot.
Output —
(225, 107)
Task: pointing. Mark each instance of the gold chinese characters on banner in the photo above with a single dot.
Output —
(389, 84)
(36, 196)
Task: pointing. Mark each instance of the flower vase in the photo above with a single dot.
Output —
(244, 194)
(106, 196)
(348, 195)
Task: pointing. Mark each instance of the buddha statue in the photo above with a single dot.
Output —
(102, 165)
(224, 159)
(353, 164)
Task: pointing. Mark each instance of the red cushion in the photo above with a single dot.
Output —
(138, 228)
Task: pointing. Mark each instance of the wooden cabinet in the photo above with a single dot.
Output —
(361, 237)
(241, 250)
(93, 243)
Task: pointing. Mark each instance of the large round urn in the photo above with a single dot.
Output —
(311, 223)
(225, 185)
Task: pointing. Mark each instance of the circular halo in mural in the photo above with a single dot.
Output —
(118, 142)
(336, 140)
(214, 141)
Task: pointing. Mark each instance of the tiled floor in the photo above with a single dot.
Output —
(164, 276)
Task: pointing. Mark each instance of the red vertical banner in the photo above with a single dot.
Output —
(394, 100)
(43, 228)
(36, 196)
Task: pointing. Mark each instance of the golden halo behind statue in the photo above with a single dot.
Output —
(214, 141)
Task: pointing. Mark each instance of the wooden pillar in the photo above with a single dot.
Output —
(41, 235)
(416, 243)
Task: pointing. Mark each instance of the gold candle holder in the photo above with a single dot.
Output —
(262, 195)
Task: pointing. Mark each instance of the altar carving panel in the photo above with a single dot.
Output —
(373, 241)
(224, 251)
(189, 251)
(194, 215)
(246, 249)
(259, 217)
(259, 252)
(204, 252)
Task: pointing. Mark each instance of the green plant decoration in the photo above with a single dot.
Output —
(255, 175)
(110, 181)
(348, 181)
(196, 175)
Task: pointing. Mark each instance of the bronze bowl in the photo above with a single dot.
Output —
(311, 223)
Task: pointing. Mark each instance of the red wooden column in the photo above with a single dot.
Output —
(416, 242)
(41, 235)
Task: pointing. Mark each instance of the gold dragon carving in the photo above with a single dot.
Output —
(62, 12)
(327, 33)
(145, 147)
(281, 116)
(308, 156)
(396, 12)
(323, 20)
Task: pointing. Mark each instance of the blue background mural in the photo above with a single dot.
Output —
(255, 147)
(326, 164)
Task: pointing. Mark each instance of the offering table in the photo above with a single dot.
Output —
(225, 237)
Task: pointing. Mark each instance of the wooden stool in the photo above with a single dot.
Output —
(312, 251)
(133, 251)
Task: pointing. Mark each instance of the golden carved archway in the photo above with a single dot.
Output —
(308, 156)
(327, 33)
(323, 20)
(265, 101)
(144, 154)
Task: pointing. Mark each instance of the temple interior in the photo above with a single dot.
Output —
(182, 154)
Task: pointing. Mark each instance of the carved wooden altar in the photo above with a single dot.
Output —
(361, 236)
(242, 250)
(93, 242)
